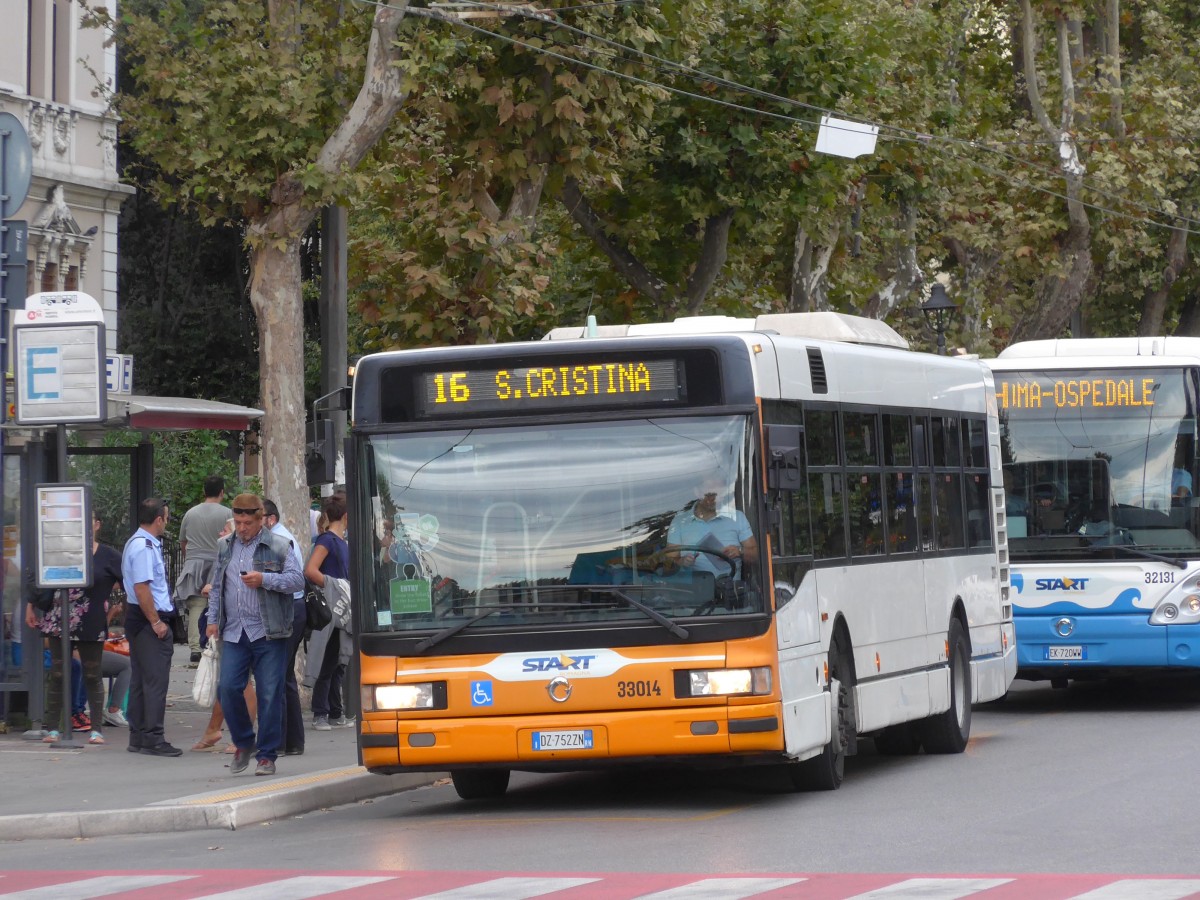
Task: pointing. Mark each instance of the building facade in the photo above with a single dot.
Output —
(54, 77)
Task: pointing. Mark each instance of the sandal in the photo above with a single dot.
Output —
(207, 743)
(95, 738)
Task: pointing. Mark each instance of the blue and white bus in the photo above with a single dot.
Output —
(1099, 440)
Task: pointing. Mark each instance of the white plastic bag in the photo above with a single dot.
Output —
(204, 688)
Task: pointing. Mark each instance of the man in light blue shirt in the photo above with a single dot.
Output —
(710, 524)
(148, 615)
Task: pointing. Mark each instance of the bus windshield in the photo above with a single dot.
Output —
(1099, 460)
(557, 525)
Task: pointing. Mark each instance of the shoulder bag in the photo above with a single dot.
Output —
(316, 608)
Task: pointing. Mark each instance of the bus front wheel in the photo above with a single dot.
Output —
(949, 732)
(824, 772)
(480, 784)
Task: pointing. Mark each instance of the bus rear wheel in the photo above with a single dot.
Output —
(949, 732)
(480, 784)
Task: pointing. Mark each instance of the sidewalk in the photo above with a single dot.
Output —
(93, 791)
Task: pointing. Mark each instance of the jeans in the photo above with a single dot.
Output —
(266, 659)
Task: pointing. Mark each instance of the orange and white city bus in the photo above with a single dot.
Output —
(712, 541)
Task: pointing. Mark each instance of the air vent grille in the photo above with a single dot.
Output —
(816, 370)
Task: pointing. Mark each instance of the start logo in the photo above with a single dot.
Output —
(1062, 584)
(561, 663)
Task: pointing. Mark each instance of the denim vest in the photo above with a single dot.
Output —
(270, 555)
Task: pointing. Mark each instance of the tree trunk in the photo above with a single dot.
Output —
(1060, 293)
(275, 239)
(714, 250)
(275, 295)
(1154, 304)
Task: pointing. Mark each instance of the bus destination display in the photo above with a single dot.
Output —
(633, 382)
(1067, 392)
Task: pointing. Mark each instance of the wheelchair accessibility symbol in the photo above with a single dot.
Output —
(481, 693)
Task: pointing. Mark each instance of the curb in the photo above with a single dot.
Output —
(224, 809)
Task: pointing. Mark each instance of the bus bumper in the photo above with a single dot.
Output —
(1097, 643)
(642, 735)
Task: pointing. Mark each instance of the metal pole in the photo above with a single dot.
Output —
(66, 739)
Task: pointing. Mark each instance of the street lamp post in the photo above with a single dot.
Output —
(937, 308)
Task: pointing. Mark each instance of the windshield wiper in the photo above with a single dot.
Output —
(678, 630)
(1134, 550)
(438, 637)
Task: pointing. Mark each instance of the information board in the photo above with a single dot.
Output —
(64, 535)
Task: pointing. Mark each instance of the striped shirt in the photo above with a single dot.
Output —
(241, 602)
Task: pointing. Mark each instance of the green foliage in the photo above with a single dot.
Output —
(182, 460)
(227, 101)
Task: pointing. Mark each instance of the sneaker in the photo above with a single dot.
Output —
(50, 738)
(321, 723)
(115, 717)
(163, 749)
(294, 751)
(241, 759)
(265, 767)
(342, 722)
(81, 722)
(95, 738)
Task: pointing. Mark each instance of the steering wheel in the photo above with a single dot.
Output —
(717, 593)
(728, 560)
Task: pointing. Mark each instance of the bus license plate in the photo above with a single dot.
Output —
(1076, 652)
(580, 739)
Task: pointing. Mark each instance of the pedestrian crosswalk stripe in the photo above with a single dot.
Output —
(933, 888)
(1144, 889)
(100, 886)
(299, 887)
(722, 889)
(509, 888)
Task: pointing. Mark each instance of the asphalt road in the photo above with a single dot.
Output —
(1099, 778)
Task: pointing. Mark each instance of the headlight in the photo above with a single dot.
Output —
(398, 696)
(1177, 610)
(727, 682)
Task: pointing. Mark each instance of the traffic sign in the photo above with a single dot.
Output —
(58, 360)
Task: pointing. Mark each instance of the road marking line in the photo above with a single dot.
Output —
(1144, 889)
(933, 888)
(100, 886)
(722, 889)
(299, 887)
(509, 888)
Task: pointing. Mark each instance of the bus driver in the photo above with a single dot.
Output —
(708, 523)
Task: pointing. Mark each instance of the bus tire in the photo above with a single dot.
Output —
(480, 784)
(825, 771)
(949, 732)
(898, 740)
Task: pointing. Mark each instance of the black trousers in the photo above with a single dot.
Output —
(293, 714)
(150, 672)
